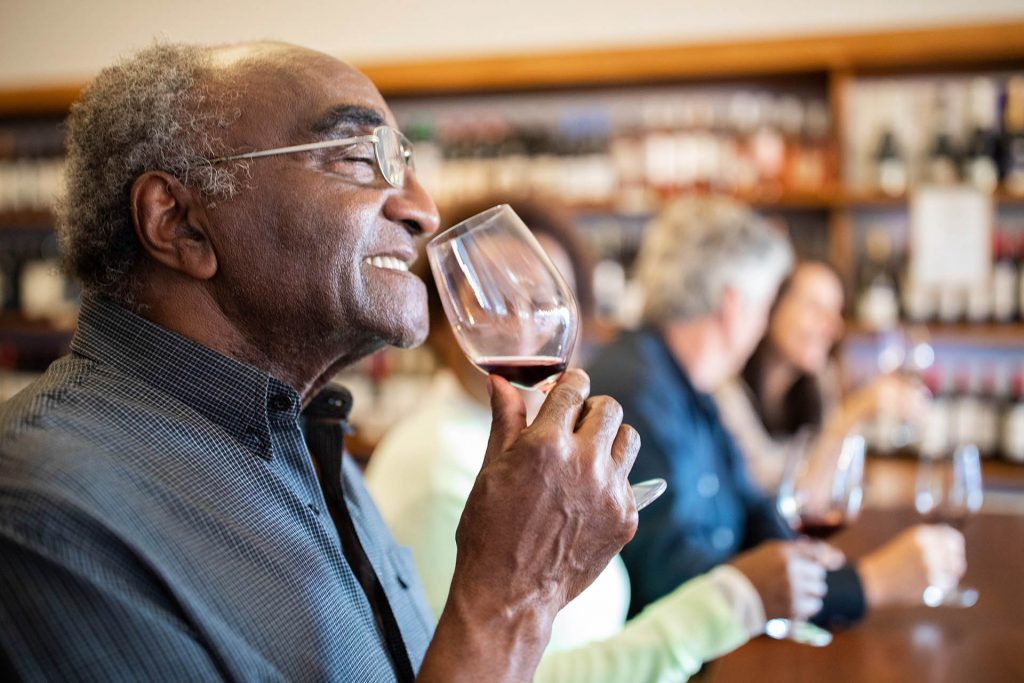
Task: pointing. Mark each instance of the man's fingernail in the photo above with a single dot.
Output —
(490, 387)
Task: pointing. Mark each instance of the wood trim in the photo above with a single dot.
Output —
(38, 101)
(995, 43)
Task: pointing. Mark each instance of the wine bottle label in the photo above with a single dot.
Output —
(1013, 434)
(942, 171)
(892, 177)
(968, 420)
(987, 429)
(935, 431)
(979, 304)
(1004, 292)
(918, 302)
(951, 304)
(878, 308)
(983, 174)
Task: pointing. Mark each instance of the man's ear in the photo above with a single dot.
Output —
(172, 225)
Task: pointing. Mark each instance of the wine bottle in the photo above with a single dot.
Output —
(1005, 282)
(934, 441)
(878, 304)
(890, 164)
(987, 433)
(981, 163)
(1013, 421)
(768, 146)
(966, 408)
(942, 155)
(1013, 137)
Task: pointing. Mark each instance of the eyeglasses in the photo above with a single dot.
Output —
(392, 150)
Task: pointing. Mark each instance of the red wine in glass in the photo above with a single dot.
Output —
(953, 519)
(528, 372)
(821, 526)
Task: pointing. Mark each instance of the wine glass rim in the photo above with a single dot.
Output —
(471, 223)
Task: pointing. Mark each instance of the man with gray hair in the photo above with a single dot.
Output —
(710, 269)
(175, 503)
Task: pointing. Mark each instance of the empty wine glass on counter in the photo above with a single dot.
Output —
(948, 490)
(510, 309)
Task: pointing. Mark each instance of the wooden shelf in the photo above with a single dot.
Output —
(989, 43)
(822, 200)
(863, 199)
(35, 220)
(1008, 334)
(15, 323)
(887, 50)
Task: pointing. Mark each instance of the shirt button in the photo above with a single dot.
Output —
(280, 402)
(707, 485)
(722, 538)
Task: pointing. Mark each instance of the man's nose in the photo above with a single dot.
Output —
(412, 206)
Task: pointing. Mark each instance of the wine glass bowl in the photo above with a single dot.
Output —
(819, 507)
(949, 490)
(512, 312)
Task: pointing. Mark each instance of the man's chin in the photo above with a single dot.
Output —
(408, 334)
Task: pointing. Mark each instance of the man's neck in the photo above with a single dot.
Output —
(196, 315)
(697, 346)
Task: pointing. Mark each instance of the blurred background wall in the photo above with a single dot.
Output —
(48, 41)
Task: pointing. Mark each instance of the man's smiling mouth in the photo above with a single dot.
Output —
(387, 263)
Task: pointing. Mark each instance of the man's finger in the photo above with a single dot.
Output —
(826, 555)
(562, 407)
(625, 447)
(599, 420)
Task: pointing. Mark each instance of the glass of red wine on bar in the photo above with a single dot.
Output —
(511, 310)
(818, 507)
(947, 491)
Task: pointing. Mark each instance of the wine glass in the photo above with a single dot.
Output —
(919, 357)
(510, 309)
(907, 351)
(948, 489)
(819, 503)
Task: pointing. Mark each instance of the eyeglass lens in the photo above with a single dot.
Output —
(395, 155)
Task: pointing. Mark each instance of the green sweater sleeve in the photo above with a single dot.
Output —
(668, 641)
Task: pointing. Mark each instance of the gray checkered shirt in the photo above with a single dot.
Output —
(160, 519)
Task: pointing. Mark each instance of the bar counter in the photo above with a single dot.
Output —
(979, 644)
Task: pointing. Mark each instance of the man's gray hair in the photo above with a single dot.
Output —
(154, 111)
(699, 247)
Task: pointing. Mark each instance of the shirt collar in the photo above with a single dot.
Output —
(704, 400)
(241, 399)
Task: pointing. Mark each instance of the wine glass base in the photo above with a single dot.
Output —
(646, 492)
(957, 597)
(802, 632)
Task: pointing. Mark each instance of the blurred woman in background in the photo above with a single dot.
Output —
(786, 403)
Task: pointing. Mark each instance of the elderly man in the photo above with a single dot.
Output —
(710, 270)
(242, 220)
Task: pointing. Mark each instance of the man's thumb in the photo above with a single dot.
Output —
(508, 415)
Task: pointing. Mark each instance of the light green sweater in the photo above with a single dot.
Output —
(420, 476)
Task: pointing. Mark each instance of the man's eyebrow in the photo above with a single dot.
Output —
(346, 116)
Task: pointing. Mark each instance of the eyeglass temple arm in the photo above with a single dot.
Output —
(323, 144)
